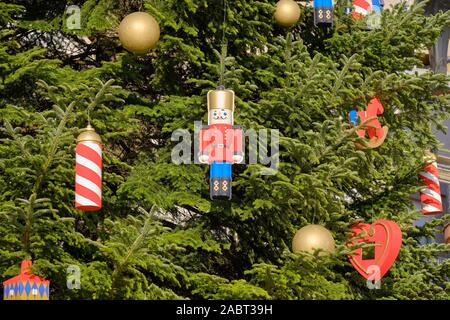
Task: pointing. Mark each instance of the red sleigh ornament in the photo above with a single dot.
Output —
(387, 238)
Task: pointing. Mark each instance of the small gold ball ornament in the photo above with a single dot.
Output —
(139, 32)
(313, 237)
(287, 13)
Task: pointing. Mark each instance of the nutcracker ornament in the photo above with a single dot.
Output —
(323, 12)
(88, 180)
(221, 142)
(430, 194)
(447, 233)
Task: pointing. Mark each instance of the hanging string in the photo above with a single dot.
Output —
(224, 20)
(315, 208)
(223, 53)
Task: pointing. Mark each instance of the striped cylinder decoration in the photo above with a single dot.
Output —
(430, 194)
(88, 180)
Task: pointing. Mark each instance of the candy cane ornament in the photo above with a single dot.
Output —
(430, 195)
(88, 180)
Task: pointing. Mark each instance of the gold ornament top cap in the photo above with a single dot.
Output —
(430, 157)
(221, 99)
(89, 134)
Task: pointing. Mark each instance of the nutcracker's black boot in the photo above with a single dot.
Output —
(220, 188)
(214, 188)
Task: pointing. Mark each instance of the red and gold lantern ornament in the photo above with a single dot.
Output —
(88, 180)
(26, 286)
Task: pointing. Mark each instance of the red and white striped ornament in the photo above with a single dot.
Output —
(430, 195)
(88, 180)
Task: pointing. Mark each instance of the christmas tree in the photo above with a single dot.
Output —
(159, 235)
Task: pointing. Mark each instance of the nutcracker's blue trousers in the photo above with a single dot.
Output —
(323, 3)
(220, 170)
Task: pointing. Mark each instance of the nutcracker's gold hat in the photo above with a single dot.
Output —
(88, 134)
(221, 99)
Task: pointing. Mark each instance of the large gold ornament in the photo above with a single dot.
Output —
(287, 13)
(139, 32)
(313, 237)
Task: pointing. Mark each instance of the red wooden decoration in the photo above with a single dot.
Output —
(387, 237)
(377, 134)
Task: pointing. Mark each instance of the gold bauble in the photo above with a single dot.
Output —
(313, 237)
(287, 13)
(139, 32)
(88, 134)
